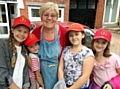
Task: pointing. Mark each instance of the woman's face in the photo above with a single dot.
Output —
(20, 34)
(49, 18)
(100, 45)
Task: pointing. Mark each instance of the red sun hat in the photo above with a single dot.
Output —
(75, 27)
(103, 33)
(22, 20)
(31, 40)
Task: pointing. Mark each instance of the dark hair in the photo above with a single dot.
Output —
(106, 51)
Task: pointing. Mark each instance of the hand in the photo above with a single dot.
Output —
(107, 86)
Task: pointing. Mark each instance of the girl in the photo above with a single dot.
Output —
(35, 77)
(14, 60)
(106, 64)
(77, 60)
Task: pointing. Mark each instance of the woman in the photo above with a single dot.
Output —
(52, 42)
(14, 60)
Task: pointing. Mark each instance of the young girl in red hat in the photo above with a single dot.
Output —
(14, 60)
(106, 64)
(32, 43)
(77, 60)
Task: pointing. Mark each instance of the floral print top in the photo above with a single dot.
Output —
(74, 64)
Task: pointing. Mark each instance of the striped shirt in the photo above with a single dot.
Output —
(35, 64)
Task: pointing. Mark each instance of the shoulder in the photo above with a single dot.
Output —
(62, 29)
(66, 49)
(33, 55)
(37, 31)
(87, 51)
(115, 57)
(4, 42)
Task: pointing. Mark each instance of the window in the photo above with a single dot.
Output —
(73, 4)
(33, 13)
(4, 23)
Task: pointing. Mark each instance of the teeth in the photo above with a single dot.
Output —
(49, 22)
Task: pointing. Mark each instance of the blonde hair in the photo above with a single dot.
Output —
(13, 48)
(49, 5)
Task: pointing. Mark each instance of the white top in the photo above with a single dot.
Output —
(19, 66)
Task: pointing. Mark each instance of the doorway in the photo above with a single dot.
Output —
(83, 11)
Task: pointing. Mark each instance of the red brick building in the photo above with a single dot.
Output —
(94, 13)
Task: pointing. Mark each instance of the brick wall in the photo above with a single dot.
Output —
(66, 11)
(99, 14)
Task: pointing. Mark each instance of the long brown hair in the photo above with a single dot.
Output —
(13, 48)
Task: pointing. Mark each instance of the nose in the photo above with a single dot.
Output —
(22, 33)
(35, 47)
(49, 17)
(73, 36)
(99, 44)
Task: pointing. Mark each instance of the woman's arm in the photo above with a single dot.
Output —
(61, 69)
(38, 77)
(87, 69)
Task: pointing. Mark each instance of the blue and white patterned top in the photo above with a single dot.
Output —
(74, 63)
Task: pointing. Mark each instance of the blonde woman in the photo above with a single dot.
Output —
(52, 41)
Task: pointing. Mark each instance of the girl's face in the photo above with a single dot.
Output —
(20, 34)
(100, 45)
(49, 18)
(33, 48)
(75, 37)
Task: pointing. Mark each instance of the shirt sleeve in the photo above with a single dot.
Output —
(117, 61)
(35, 64)
(5, 77)
(89, 52)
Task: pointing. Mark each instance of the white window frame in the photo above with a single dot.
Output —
(61, 19)
(5, 24)
(117, 14)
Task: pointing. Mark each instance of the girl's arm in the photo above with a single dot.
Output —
(61, 69)
(5, 76)
(13, 86)
(38, 77)
(87, 69)
(118, 70)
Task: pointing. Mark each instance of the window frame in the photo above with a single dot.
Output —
(5, 24)
(61, 19)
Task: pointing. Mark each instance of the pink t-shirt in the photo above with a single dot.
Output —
(35, 65)
(105, 71)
